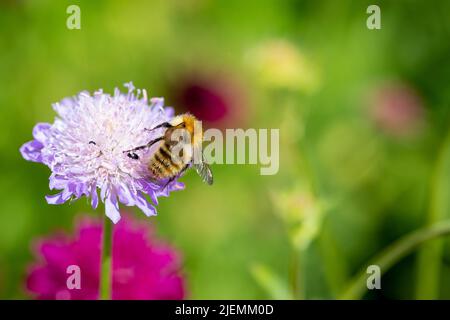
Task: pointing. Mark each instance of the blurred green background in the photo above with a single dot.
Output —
(363, 116)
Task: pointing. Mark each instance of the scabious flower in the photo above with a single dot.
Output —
(142, 268)
(84, 149)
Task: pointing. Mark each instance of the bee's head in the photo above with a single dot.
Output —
(176, 121)
(184, 121)
(188, 121)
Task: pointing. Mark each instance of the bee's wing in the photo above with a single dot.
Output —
(204, 171)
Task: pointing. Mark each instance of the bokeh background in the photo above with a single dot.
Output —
(364, 134)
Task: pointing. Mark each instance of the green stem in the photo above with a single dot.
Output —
(298, 274)
(430, 256)
(394, 253)
(335, 268)
(294, 276)
(106, 261)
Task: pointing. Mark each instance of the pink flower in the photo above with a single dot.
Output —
(142, 268)
(217, 99)
(398, 110)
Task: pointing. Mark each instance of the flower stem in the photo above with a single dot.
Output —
(334, 267)
(106, 261)
(392, 254)
(296, 274)
(430, 256)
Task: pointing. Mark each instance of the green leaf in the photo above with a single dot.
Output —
(275, 287)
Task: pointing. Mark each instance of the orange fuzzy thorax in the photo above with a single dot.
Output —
(190, 123)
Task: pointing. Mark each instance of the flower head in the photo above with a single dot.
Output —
(84, 149)
(141, 268)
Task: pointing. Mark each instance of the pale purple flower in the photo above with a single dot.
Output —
(84, 149)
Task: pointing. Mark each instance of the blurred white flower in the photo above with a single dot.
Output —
(280, 64)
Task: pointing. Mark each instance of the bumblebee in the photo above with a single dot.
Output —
(174, 156)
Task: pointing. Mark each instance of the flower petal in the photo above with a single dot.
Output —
(157, 103)
(40, 131)
(125, 195)
(112, 208)
(170, 112)
(145, 206)
(149, 188)
(59, 198)
(31, 151)
(57, 181)
(94, 197)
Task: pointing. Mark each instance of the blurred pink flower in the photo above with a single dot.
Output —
(214, 98)
(397, 110)
(142, 268)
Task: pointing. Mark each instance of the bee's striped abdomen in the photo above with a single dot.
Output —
(162, 165)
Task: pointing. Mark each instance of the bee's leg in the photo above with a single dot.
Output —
(175, 177)
(183, 170)
(166, 185)
(162, 125)
(133, 155)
